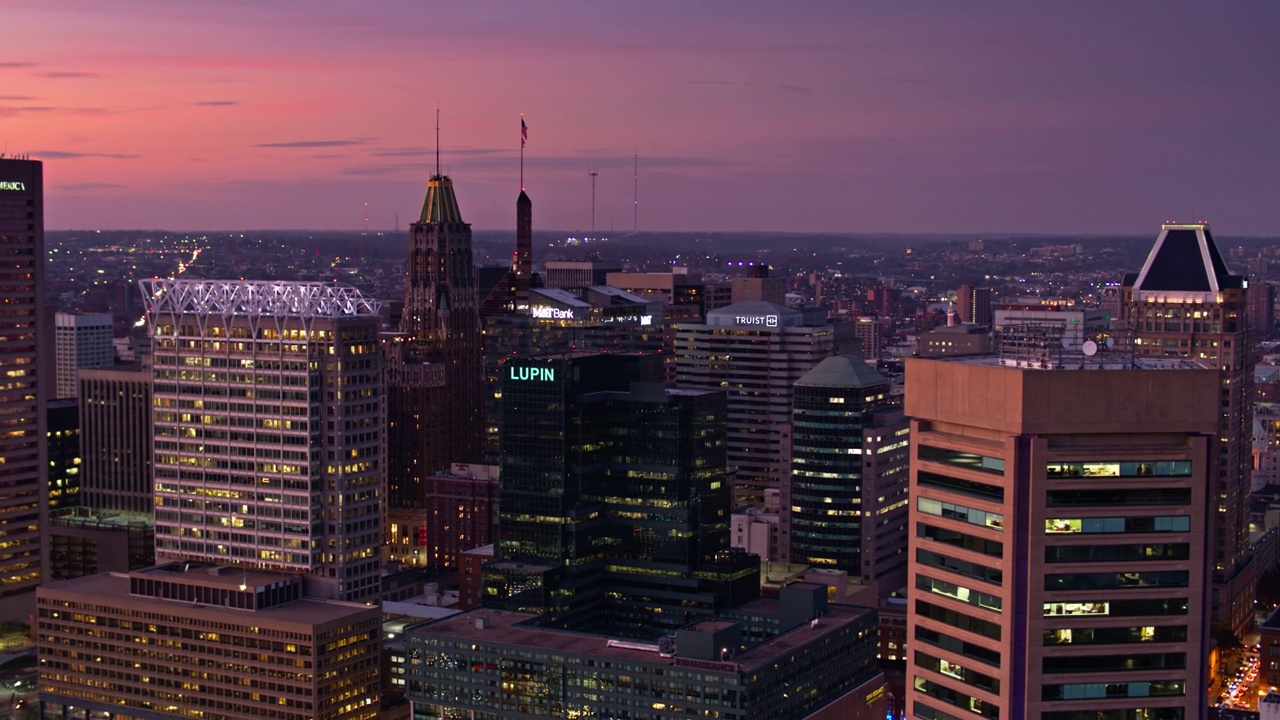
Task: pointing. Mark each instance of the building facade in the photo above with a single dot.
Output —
(786, 658)
(1184, 303)
(62, 439)
(845, 505)
(269, 420)
(115, 424)
(27, 386)
(81, 341)
(614, 506)
(436, 380)
(1059, 564)
(755, 351)
(459, 513)
(193, 640)
(1261, 313)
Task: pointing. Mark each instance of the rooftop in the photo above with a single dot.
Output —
(255, 298)
(1185, 259)
(511, 630)
(440, 205)
(843, 372)
(112, 589)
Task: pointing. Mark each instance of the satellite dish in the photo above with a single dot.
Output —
(1089, 348)
(1111, 342)
(1066, 343)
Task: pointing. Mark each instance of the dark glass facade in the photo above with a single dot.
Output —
(847, 498)
(614, 505)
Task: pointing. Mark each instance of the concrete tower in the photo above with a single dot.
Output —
(82, 341)
(1058, 561)
(756, 351)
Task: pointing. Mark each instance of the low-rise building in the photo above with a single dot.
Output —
(793, 656)
(196, 640)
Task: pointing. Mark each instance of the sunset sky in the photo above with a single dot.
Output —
(822, 115)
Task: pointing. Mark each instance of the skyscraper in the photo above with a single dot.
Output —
(269, 421)
(82, 341)
(975, 305)
(1184, 303)
(24, 391)
(1058, 561)
(844, 506)
(755, 351)
(436, 375)
(115, 425)
(613, 507)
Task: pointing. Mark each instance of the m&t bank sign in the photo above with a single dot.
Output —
(533, 373)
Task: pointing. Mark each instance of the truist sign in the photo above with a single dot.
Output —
(13, 185)
(538, 374)
(761, 320)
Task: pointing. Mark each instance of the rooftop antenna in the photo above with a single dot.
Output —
(366, 217)
(593, 172)
(437, 138)
(524, 136)
(635, 195)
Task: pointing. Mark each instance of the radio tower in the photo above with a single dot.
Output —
(593, 172)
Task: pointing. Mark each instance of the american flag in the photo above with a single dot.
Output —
(524, 132)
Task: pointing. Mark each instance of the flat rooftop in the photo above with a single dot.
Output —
(112, 589)
(509, 629)
(1077, 361)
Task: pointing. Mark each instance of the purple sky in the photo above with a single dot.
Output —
(1088, 117)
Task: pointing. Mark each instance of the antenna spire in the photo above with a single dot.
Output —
(524, 136)
(437, 138)
(635, 195)
(593, 172)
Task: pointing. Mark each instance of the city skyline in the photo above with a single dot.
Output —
(1080, 118)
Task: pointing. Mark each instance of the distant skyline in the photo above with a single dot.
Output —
(824, 116)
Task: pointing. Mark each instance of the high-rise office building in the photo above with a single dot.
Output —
(755, 351)
(613, 505)
(1184, 303)
(1262, 310)
(115, 426)
(1058, 563)
(975, 305)
(578, 273)
(269, 422)
(82, 341)
(845, 504)
(62, 435)
(435, 375)
(112, 528)
(23, 346)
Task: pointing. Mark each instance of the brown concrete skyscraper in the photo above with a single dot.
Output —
(436, 374)
(1058, 538)
(1184, 303)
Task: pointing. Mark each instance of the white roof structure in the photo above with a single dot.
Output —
(256, 298)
